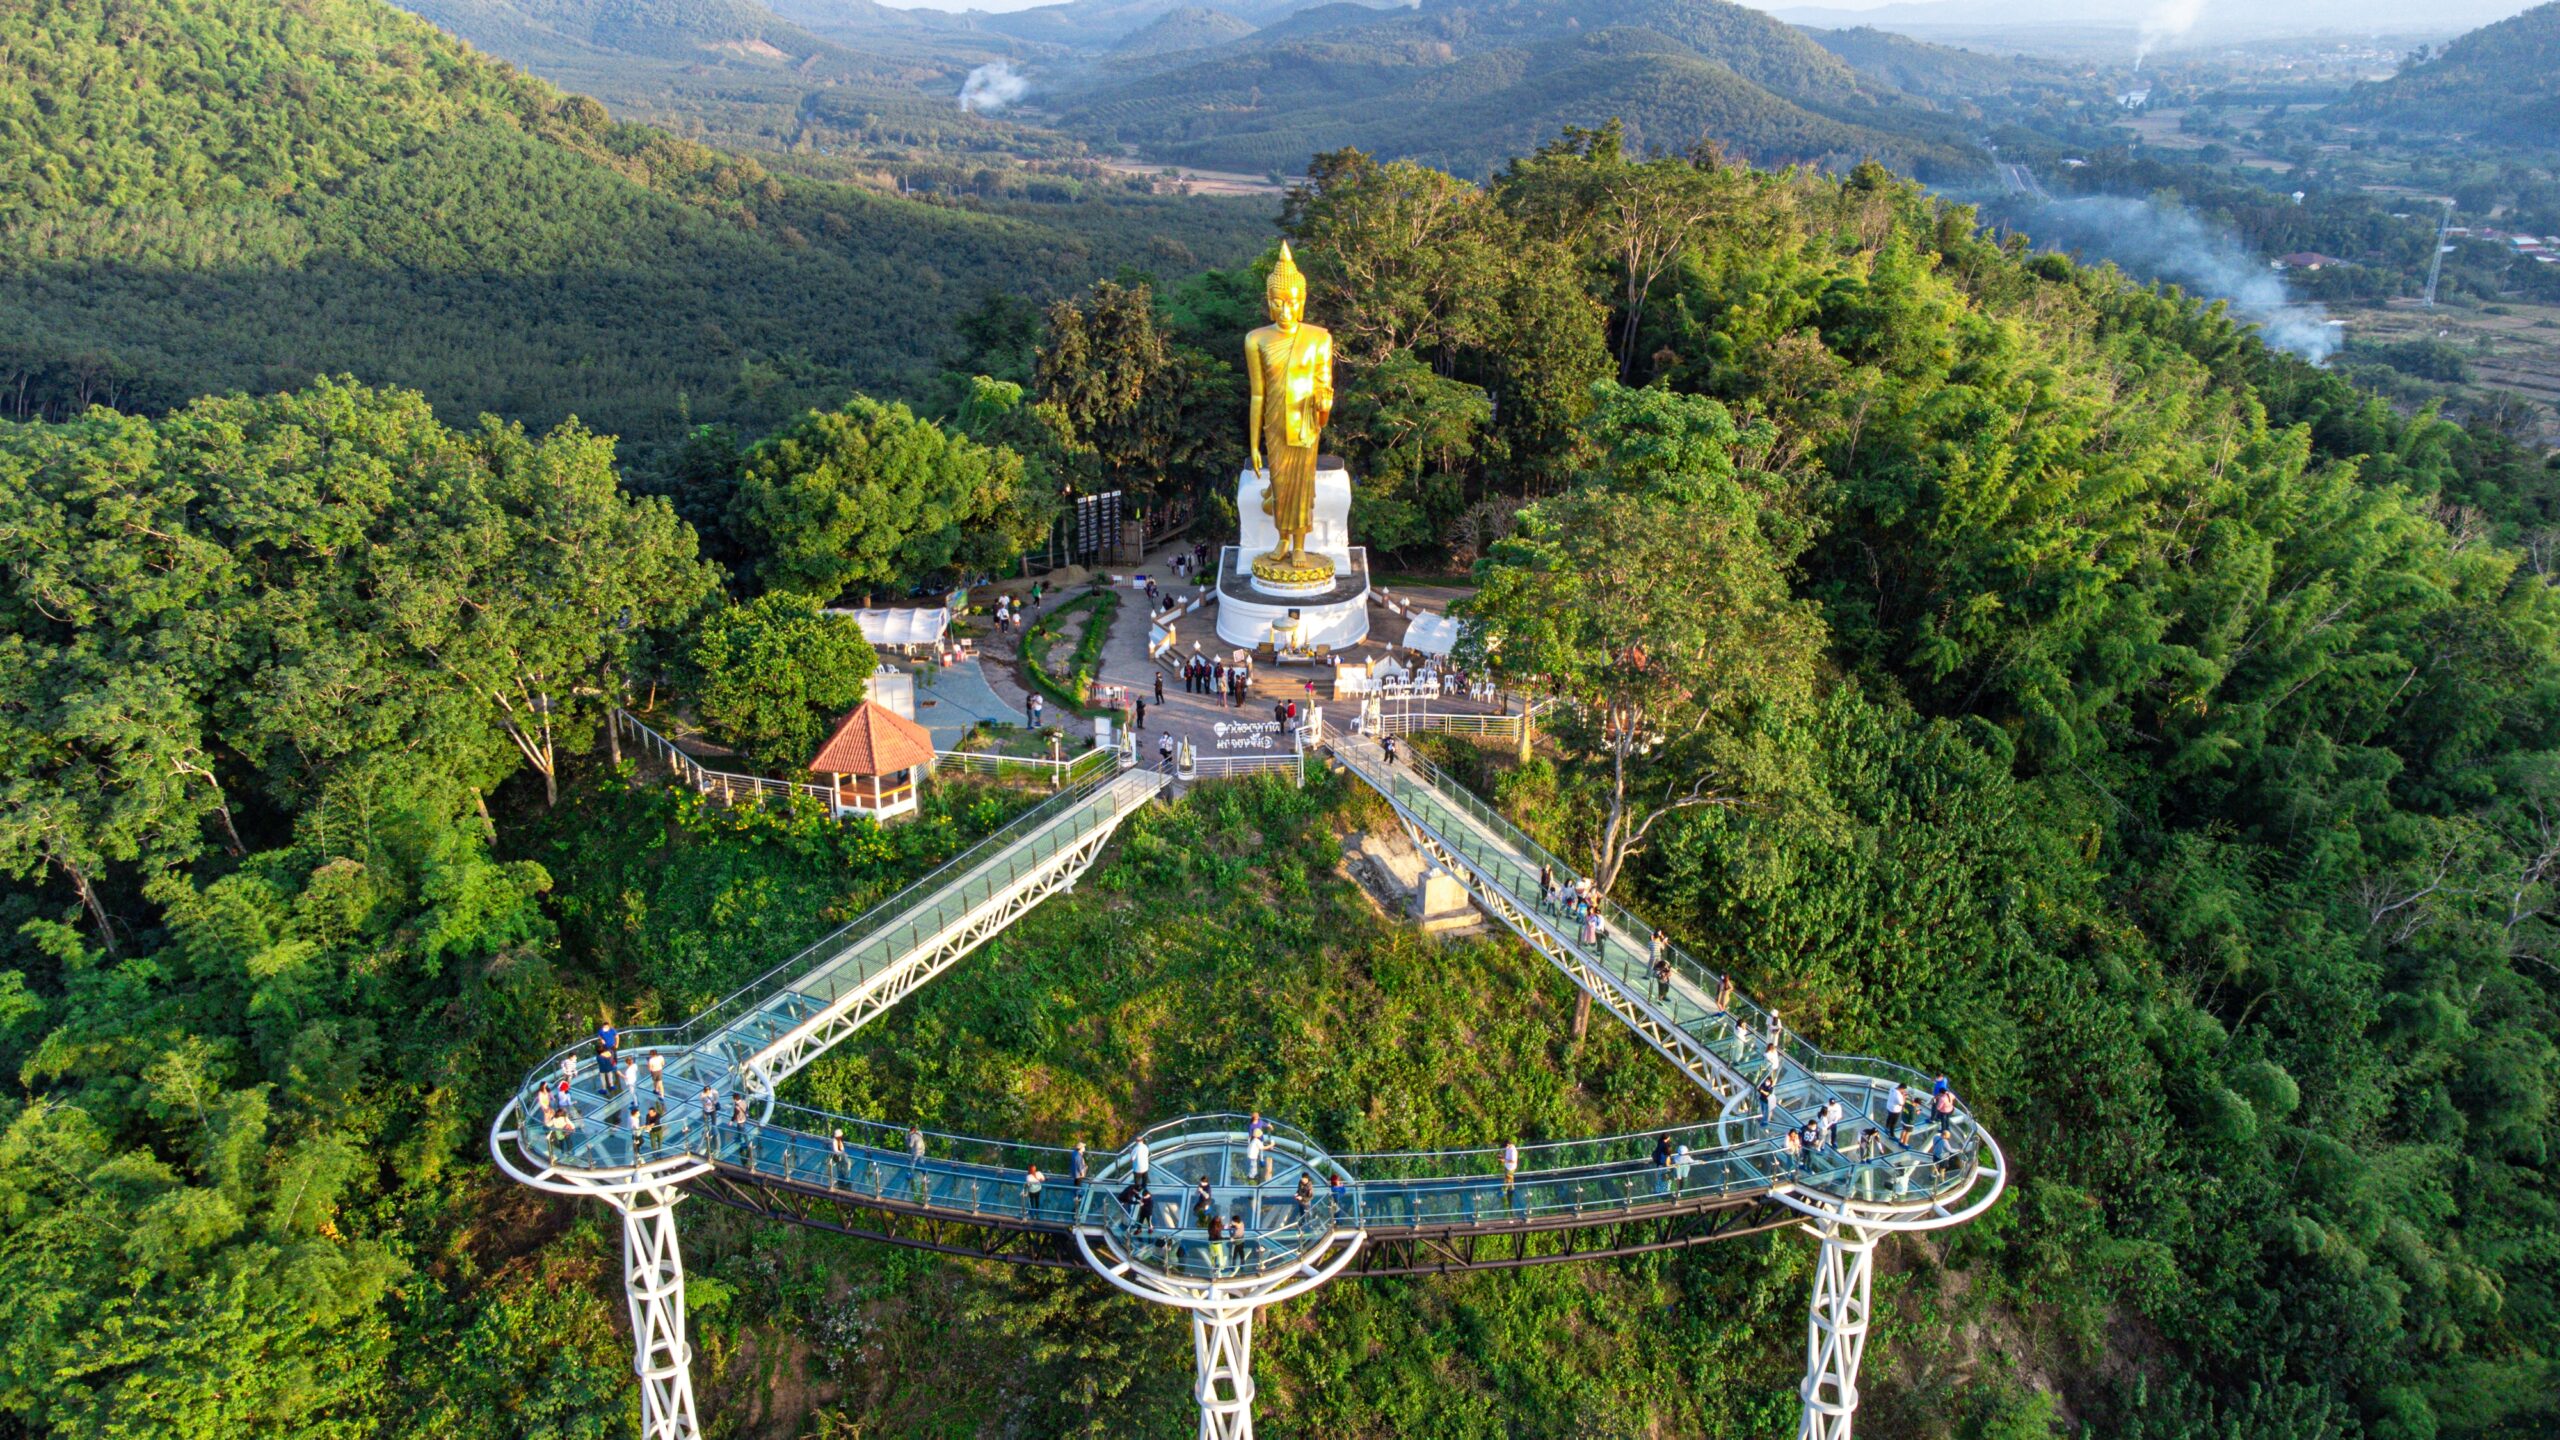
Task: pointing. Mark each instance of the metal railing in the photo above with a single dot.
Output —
(1445, 722)
(727, 785)
(1741, 1036)
(697, 1033)
(1092, 762)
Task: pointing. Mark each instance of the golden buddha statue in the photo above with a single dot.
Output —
(1291, 366)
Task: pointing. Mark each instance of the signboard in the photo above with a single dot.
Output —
(1247, 734)
(1096, 526)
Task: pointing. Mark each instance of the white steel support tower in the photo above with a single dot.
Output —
(652, 1267)
(1844, 1281)
(1499, 867)
(1836, 1336)
(1221, 1319)
(653, 1281)
(844, 985)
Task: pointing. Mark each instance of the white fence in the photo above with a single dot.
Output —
(1057, 772)
(1445, 722)
(1227, 767)
(727, 786)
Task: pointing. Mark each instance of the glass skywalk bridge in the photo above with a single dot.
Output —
(1386, 1213)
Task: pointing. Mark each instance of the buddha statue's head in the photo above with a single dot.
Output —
(1284, 296)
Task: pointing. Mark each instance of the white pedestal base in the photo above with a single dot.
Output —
(1246, 623)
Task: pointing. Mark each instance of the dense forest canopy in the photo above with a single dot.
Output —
(2500, 81)
(202, 199)
(2041, 681)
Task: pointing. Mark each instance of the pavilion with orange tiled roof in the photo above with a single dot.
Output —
(871, 759)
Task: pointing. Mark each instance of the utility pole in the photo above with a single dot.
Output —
(2435, 262)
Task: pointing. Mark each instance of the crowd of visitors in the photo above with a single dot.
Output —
(1206, 675)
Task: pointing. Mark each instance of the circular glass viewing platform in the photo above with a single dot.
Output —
(1211, 1204)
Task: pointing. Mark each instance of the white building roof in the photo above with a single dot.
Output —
(1432, 634)
(900, 627)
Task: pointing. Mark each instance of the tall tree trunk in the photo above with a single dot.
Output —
(231, 833)
(1581, 1014)
(89, 900)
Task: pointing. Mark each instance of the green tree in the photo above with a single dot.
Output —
(530, 587)
(1145, 408)
(1640, 218)
(1411, 433)
(1668, 630)
(871, 494)
(767, 676)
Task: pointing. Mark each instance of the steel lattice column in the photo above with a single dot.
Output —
(1222, 1374)
(1221, 1318)
(653, 1281)
(1836, 1335)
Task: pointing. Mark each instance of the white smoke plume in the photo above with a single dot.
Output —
(990, 88)
(2168, 243)
(2166, 20)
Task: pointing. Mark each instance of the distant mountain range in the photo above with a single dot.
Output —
(2501, 82)
(2001, 22)
(1465, 84)
(1260, 85)
(1188, 28)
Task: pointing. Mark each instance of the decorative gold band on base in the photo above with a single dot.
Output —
(1280, 570)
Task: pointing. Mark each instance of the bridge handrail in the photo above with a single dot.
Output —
(1812, 1062)
(1553, 1156)
(688, 1034)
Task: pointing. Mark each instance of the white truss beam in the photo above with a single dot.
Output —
(857, 1007)
(1844, 1275)
(1705, 1069)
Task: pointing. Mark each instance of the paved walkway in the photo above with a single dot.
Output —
(1193, 718)
(950, 701)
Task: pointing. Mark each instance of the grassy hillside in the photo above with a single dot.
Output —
(1465, 86)
(2501, 81)
(196, 199)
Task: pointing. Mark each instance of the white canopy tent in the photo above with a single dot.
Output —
(1432, 634)
(900, 627)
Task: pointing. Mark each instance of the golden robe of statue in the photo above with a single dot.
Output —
(1291, 367)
